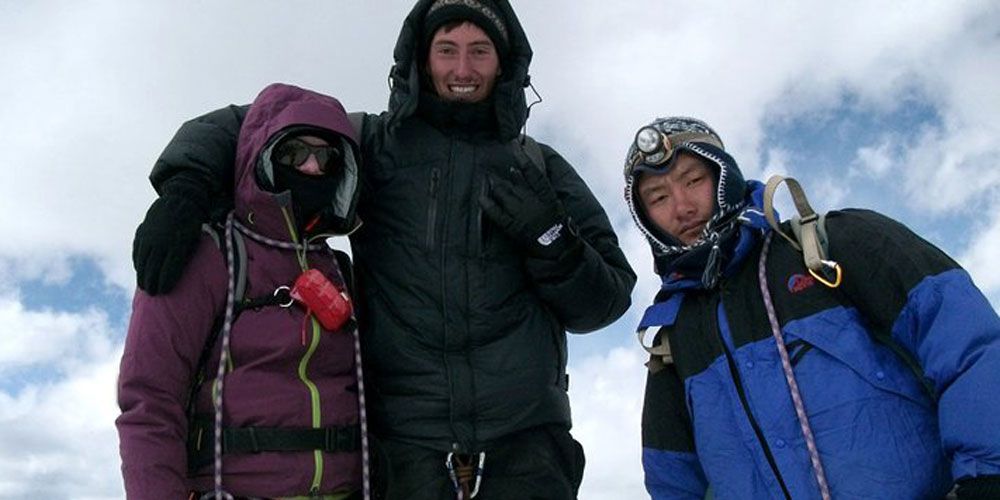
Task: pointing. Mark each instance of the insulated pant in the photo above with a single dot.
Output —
(542, 463)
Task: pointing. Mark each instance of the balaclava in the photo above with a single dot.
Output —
(482, 13)
(695, 137)
(310, 193)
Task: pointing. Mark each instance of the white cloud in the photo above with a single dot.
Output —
(96, 89)
(58, 436)
(876, 161)
(606, 394)
(50, 340)
(981, 258)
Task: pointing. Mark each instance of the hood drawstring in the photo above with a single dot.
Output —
(711, 274)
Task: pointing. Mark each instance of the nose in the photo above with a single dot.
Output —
(683, 202)
(464, 66)
(311, 166)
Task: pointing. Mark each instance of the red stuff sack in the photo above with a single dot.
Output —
(330, 305)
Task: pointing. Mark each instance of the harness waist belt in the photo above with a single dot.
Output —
(241, 440)
(258, 439)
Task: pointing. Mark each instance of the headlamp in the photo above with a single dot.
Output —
(654, 148)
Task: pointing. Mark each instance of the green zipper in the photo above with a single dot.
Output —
(304, 363)
(314, 397)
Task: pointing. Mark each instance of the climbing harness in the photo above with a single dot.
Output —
(328, 439)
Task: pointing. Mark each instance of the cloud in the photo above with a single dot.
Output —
(96, 90)
(606, 394)
(57, 429)
(50, 340)
(981, 258)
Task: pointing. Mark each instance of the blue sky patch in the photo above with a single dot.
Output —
(85, 289)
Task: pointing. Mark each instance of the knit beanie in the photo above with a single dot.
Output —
(482, 13)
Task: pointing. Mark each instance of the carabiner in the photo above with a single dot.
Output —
(822, 279)
(287, 290)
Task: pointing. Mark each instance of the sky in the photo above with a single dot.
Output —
(888, 105)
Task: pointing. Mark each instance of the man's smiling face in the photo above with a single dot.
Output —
(462, 63)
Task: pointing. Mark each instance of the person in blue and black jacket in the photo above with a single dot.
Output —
(766, 383)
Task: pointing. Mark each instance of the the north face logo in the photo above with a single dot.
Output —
(800, 282)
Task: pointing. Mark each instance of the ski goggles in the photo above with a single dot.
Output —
(293, 152)
(653, 149)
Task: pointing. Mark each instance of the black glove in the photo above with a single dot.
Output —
(524, 205)
(169, 234)
(979, 488)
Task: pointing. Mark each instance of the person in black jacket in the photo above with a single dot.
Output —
(473, 261)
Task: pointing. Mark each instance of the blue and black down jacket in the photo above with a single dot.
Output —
(721, 415)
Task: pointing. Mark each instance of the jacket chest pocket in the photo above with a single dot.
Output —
(406, 203)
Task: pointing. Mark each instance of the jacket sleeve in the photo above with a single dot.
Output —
(203, 150)
(165, 337)
(931, 308)
(590, 288)
(671, 467)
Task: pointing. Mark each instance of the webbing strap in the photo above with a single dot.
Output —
(809, 243)
(258, 439)
(527, 146)
(241, 440)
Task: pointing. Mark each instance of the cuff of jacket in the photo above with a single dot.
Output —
(979, 488)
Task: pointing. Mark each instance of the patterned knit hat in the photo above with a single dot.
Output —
(482, 13)
(682, 134)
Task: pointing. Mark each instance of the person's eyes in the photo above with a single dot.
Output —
(657, 199)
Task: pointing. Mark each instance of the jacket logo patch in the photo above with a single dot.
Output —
(800, 282)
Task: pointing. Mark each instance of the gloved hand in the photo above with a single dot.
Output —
(525, 207)
(169, 235)
(979, 488)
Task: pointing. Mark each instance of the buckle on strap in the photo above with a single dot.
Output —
(341, 438)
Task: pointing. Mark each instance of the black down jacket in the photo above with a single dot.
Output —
(464, 336)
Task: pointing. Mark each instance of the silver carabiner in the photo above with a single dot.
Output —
(285, 289)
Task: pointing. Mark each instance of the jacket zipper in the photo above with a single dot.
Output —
(432, 208)
(314, 400)
(716, 303)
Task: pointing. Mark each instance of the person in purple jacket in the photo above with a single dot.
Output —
(283, 416)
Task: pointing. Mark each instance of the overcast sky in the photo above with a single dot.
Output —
(885, 105)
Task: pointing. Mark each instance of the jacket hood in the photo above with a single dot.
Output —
(732, 198)
(277, 111)
(406, 76)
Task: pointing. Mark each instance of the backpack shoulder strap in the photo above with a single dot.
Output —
(527, 145)
(357, 120)
(344, 263)
(809, 236)
(808, 228)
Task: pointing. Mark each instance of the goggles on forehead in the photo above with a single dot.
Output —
(294, 152)
(655, 149)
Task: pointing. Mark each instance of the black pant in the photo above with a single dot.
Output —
(543, 463)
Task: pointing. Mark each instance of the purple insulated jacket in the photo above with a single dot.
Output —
(274, 380)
